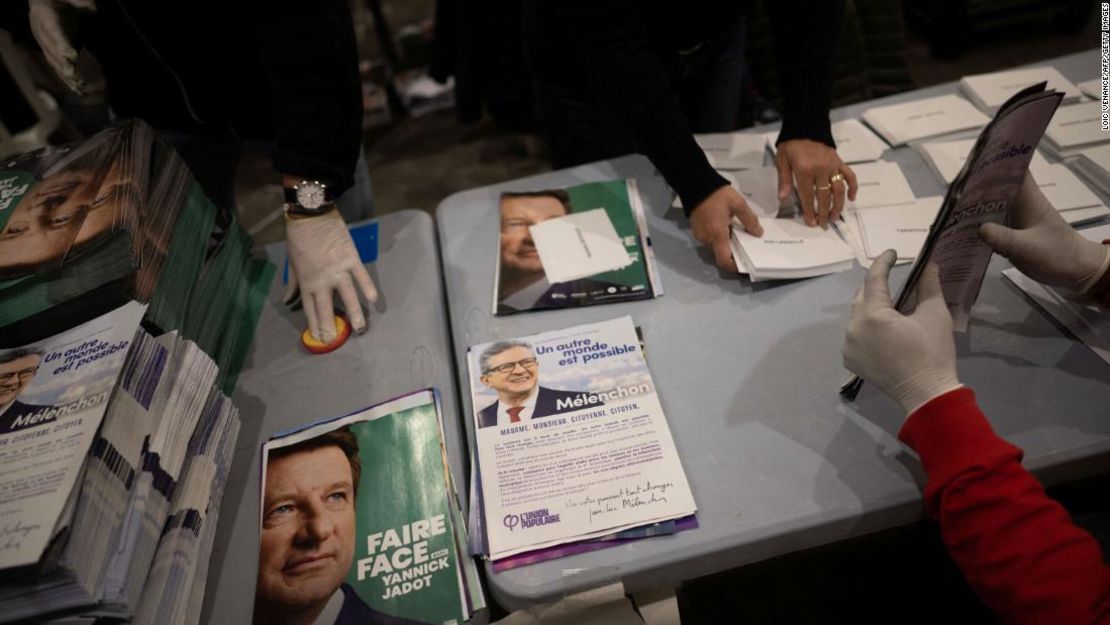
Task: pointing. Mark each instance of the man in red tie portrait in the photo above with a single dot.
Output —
(512, 370)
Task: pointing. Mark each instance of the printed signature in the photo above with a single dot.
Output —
(624, 498)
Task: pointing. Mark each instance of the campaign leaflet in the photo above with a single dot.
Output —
(983, 192)
(578, 246)
(356, 511)
(572, 440)
(53, 394)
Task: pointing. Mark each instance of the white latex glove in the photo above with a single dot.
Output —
(323, 259)
(1043, 246)
(912, 358)
(52, 24)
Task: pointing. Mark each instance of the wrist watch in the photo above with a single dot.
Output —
(308, 198)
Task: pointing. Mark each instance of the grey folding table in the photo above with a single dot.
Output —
(406, 348)
(748, 376)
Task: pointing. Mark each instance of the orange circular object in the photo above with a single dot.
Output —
(342, 332)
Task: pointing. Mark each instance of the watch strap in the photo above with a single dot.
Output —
(296, 210)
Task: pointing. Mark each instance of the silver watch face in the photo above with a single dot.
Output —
(311, 194)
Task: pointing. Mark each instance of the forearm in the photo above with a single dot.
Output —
(1017, 548)
(611, 42)
(311, 60)
(807, 43)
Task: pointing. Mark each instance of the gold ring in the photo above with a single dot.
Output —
(837, 177)
(827, 187)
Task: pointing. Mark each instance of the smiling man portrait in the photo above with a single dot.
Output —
(512, 370)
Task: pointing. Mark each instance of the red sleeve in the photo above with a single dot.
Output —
(1017, 548)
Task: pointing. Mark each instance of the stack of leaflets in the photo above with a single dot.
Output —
(1094, 165)
(564, 248)
(946, 158)
(395, 550)
(930, 117)
(573, 450)
(990, 91)
(983, 192)
(900, 227)
(137, 527)
(1067, 193)
(880, 184)
(855, 143)
(789, 250)
(733, 150)
(1074, 129)
(131, 223)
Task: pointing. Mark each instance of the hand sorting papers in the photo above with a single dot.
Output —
(733, 150)
(855, 143)
(788, 250)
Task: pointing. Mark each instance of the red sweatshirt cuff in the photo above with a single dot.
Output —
(953, 437)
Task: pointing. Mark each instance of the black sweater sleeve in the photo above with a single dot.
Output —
(611, 41)
(309, 53)
(807, 38)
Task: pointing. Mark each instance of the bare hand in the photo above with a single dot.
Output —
(710, 223)
(812, 165)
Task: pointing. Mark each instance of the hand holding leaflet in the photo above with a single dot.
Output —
(911, 357)
(1043, 246)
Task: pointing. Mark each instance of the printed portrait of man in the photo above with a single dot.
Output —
(17, 368)
(512, 370)
(523, 284)
(308, 536)
(71, 209)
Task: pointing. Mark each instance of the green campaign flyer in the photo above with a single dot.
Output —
(356, 518)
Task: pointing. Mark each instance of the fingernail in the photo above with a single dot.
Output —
(359, 324)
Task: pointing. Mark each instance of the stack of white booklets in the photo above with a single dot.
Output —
(1094, 165)
(144, 515)
(733, 150)
(855, 143)
(946, 158)
(789, 250)
(885, 199)
(880, 184)
(900, 227)
(919, 119)
(990, 91)
(1074, 129)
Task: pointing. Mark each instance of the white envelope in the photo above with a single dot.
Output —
(881, 184)
(993, 89)
(930, 117)
(579, 245)
(733, 150)
(1062, 188)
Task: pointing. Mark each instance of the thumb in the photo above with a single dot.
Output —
(929, 292)
(1003, 240)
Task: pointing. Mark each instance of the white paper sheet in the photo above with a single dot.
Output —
(881, 184)
(929, 117)
(901, 227)
(579, 245)
(992, 90)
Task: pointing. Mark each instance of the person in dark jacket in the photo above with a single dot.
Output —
(211, 74)
(614, 77)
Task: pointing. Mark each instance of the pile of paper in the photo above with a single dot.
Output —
(1074, 129)
(1094, 165)
(901, 227)
(1091, 88)
(990, 91)
(587, 463)
(152, 470)
(946, 158)
(733, 150)
(142, 229)
(789, 250)
(1067, 193)
(385, 472)
(930, 117)
(855, 143)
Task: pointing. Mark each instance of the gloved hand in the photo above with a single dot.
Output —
(1043, 246)
(912, 358)
(322, 260)
(53, 24)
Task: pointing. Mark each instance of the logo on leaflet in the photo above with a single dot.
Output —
(528, 520)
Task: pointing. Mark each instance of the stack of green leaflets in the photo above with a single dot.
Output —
(399, 536)
(86, 227)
